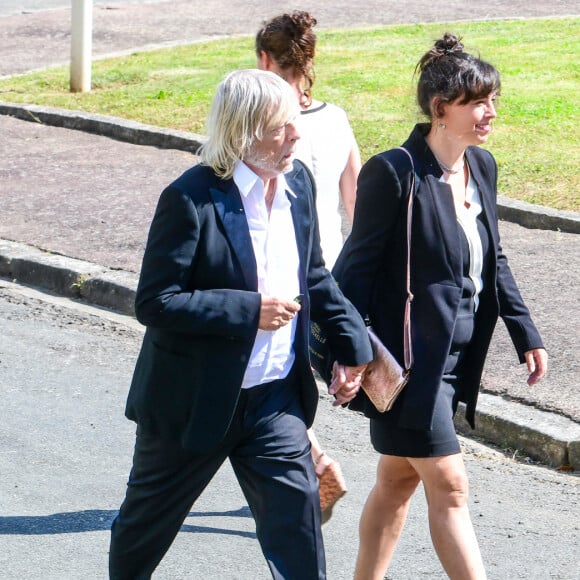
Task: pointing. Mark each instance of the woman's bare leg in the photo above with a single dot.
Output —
(446, 489)
(384, 515)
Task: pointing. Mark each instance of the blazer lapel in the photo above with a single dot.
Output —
(229, 208)
(484, 178)
(447, 227)
(301, 221)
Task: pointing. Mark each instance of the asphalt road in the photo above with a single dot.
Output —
(24, 6)
(65, 451)
(42, 37)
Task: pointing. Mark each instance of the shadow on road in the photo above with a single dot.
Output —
(100, 520)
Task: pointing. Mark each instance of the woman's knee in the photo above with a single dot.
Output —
(446, 482)
(456, 488)
(396, 478)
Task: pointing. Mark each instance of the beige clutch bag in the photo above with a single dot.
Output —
(384, 378)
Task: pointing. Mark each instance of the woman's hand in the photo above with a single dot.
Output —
(537, 361)
(346, 382)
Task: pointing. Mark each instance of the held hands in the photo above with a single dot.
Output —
(346, 382)
(276, 313)
(537, 361)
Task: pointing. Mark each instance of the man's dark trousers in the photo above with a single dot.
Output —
(269, 451)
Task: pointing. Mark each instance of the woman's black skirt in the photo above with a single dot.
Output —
(390, 439)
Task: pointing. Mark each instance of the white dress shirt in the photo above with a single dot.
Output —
(274, 243)
(467, 218)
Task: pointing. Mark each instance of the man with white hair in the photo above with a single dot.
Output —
(232, 274)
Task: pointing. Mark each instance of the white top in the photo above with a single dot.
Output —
(276, 252)
(467, 218)
(325, 145)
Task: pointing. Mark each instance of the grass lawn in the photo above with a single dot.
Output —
(369, 72)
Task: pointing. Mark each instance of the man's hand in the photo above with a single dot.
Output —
(346, 382)
(537, 361)
(276, 313)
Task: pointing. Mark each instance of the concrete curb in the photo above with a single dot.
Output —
(544, 436)
(537, 217)
(525, 214)
(112, 127)
(114, 289)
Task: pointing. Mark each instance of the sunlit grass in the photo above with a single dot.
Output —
(369, 72)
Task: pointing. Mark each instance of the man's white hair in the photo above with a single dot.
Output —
(247, 104)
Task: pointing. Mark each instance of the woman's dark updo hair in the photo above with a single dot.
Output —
(291, 42)
(449, 73)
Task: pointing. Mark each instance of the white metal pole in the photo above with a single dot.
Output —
(81, 45)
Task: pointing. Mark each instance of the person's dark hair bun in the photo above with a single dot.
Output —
(301, 22)
(448, 45)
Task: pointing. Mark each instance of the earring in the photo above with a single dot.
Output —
(442, 126)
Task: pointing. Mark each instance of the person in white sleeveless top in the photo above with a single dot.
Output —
(286, 45)
(330, 151)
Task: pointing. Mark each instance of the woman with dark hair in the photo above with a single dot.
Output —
(460, 282)
(286, 45)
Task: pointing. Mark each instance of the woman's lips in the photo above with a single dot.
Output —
(483, 128)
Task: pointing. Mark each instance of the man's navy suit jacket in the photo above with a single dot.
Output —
(198, 296)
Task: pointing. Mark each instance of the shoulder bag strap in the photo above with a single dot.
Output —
(407, 344)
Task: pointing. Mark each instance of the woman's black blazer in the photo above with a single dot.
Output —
(371, 272)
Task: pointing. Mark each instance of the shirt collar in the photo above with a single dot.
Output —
(246, 179)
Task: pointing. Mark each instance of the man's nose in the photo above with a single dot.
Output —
(292, 132)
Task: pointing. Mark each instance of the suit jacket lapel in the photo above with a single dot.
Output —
(483, 178)
(302, 232)
(230, 210)
(447, 228)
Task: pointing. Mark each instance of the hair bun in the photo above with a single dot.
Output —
(448, 45)
(302, 22)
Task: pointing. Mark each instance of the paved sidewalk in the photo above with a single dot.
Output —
(37, 39)
(76, 206)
